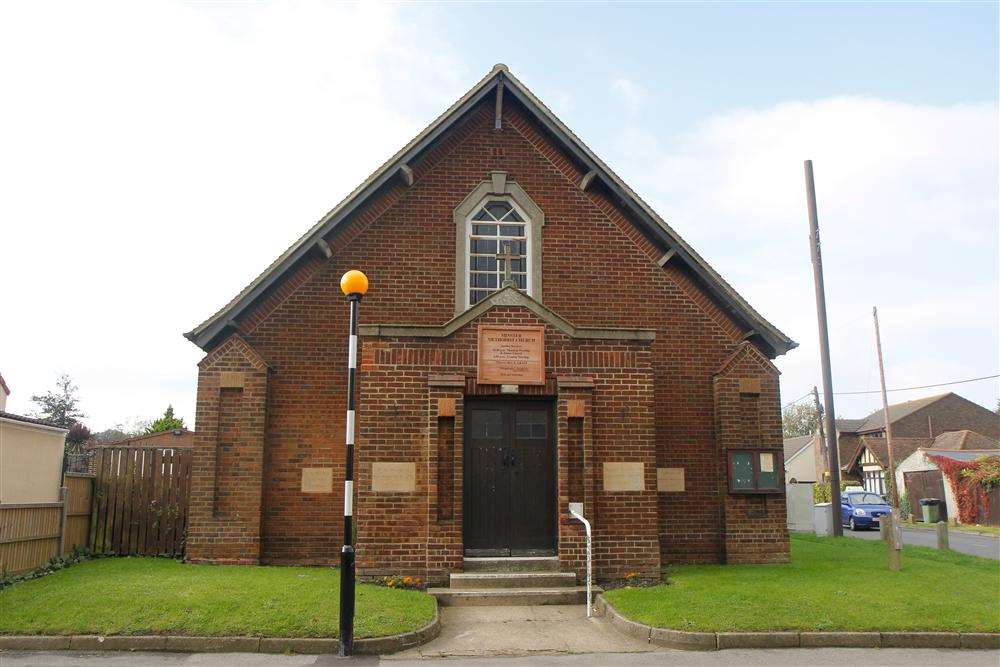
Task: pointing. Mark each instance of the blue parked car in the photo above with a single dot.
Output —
(861, 510)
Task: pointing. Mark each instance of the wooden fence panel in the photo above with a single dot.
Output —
(79, 499)
(140, 502)
(31, 533)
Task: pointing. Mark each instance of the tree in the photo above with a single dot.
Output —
(60, 406)
(78, 434)
(168, 422)
(799, 419)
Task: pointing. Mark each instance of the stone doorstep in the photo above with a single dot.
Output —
(710, 641)
(182, 644)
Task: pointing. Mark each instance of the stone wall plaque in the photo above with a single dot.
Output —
(749, 385)
(230, 380)
(511, 355)
(446, 407)
(624, 477)
(394, 477)
(670, 479)
(575, 408)
(317, 480)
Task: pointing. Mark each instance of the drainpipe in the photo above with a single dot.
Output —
(576, 511)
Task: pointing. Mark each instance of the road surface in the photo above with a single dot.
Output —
(813, 657)
(987, 546)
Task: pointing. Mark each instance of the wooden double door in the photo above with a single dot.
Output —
(509, 478)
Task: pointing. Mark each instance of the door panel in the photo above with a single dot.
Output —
(485, 515)
(509, 478)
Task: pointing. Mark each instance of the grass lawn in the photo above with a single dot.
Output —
(131, 596)
(831, 584)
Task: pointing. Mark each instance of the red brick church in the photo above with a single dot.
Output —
(534, 335)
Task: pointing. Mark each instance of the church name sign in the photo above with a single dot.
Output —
(511, 355)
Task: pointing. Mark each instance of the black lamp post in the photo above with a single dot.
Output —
(353, 284)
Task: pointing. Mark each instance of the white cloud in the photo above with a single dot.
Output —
(157, 156)
(907, 199)
(631, 93)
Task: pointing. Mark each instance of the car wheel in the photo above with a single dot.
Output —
(853, 525)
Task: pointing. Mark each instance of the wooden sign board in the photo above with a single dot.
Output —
(394, 477)
(317, 480)
(624, 476)
(511, 355)
(669, 479)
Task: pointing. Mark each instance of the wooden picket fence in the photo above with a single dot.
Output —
(33, 533)
(141, 501)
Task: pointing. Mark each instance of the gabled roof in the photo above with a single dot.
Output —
(964, 439)
(500, 79)
(848, 425)
(901, 448)
(876, 420)
(795, 445)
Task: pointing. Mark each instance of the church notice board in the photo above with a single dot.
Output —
(511, 355)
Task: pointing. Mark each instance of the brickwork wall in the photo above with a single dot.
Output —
(598, 270)
(400, 533)
(754, 524)
(224, 515)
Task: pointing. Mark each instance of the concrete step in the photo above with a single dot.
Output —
(478, 580)
(516, 564)
(450, 597)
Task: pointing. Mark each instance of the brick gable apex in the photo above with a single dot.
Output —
(398, 171)
(750, 352)
(236, 344)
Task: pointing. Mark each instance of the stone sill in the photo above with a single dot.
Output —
(713, 641)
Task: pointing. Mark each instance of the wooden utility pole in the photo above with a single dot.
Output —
(895, 529)
(894, 496)
(824, 352)
(824, 452)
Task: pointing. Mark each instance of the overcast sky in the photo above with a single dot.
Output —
(156, 156)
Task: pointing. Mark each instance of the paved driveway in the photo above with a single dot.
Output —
(987, 546)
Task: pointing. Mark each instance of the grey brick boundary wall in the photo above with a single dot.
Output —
(712, 641)
(367, 646)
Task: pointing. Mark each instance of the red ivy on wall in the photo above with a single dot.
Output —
(971, 481)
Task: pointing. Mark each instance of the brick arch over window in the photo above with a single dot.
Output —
(497, 186)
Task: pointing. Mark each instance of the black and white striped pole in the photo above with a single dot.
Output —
(353, 284)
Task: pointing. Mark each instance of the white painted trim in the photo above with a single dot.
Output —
(352, 352)
(348, 498)
(349, 437)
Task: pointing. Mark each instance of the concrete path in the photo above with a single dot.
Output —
(522, 631)
(780, 657)
(987, 546)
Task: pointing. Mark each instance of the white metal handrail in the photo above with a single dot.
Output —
(576, 511)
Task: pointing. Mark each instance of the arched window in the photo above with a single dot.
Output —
(498, 232)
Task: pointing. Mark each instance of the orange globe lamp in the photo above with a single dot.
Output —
(354, 282)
